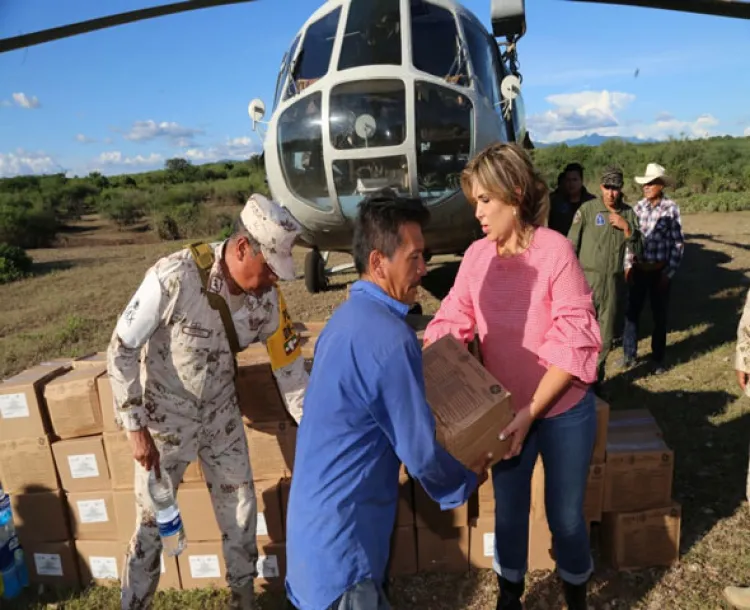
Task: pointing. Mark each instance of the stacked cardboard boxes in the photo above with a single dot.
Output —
(640, 521)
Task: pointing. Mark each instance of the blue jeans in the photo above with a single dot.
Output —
(365, 595)
(566, 443)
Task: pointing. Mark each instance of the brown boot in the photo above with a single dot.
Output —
(739, 597)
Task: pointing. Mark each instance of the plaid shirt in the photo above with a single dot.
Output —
(662, 234)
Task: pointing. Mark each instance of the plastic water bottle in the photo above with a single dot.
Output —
(167, 514)
(11, 584)
(14, 545)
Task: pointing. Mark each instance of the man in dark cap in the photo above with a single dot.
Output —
(602, 230)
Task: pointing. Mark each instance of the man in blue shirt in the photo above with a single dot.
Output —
(365, 412)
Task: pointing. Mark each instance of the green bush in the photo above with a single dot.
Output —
(26, 222)
(15, 264)
(123, 207)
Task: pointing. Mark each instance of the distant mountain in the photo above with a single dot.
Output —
(594, 139)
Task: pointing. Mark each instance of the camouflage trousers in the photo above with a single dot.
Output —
(221, 446)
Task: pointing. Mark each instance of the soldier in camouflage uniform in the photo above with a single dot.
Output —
(601, 231)
(186, 404)
(739, 597)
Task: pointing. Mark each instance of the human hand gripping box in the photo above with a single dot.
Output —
(470, 406)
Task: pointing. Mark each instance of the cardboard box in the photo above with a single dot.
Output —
(271, 566)
(94, 359)
(27, 466)
(271, 523)
(485, 498)
(40, 517)
(197, 513)
(193, 473)
(258, 394)
(285, 486)
(446, 551)
(639, 471)
(93, 515)
(405, 510)
(111, 421)
(482, 545)
(120, 459)
(594, 501)
(470, 406)
(201, 565)
(602, 424)
(541, 554)
(73, 403)
(638, 419)
(125, 513)
(642, 539)
(101, 562)
(23, 412)
(272, 446)
(429, 515)
(403, 556)
(52, 563)
(82, 464)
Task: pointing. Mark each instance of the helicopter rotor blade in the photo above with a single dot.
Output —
(100, 23)
(737, 9)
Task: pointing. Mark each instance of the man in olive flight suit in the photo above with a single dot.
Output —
(601, 231)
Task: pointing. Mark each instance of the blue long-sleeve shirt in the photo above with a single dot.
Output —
(365, 411)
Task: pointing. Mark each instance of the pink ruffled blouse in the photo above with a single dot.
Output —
(530, 311)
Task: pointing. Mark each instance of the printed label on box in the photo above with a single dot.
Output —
(262, 527)
(205, 566)
(13, 406)
(103, 567)
(163, 567)
(83, 466)
(489, 544)
(48, 565)
(92, 511)
(268, 566)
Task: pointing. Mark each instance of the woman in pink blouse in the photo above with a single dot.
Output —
(521, 288)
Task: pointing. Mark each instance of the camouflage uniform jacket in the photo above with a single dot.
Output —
(187, 354)
(742, 356)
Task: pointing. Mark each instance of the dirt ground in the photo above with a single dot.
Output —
(70, 308)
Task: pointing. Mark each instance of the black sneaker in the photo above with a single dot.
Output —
(658, 368)
(625, 362)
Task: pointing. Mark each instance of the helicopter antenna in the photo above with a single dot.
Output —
(511, 85)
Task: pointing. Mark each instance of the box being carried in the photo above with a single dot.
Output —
(470, 406)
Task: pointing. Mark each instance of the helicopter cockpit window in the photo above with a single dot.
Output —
(444, 127)
(301, 151)
(436, 46)
(284, 71)
(373, 34)
(481, 54)
(314, 59)
(356, 178)
(368, 113)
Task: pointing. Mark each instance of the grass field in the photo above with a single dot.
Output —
(71, 305)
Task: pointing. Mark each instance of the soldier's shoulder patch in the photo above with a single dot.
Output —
(577, 216)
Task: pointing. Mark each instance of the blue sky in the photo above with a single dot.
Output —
(127, 98)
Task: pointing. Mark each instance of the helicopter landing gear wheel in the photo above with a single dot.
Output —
(315, 272)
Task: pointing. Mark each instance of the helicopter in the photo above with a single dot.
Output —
(384, 93)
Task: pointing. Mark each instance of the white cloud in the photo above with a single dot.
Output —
(574, 115)
(24, 101)
(84, 139)
(747, 132)
(22, 162)
(115, 162)
(234, 148)
(178, 135)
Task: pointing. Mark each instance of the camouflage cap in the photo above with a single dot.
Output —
(275, 229)
(612, 176)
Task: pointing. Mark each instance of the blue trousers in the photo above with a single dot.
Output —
(566, 443)
(365, 595)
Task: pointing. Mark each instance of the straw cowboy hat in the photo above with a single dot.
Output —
(654, 171)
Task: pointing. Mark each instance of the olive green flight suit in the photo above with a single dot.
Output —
(601, 251)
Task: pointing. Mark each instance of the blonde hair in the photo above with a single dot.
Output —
(506, 172)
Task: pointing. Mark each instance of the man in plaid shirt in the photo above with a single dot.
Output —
(650, 276)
